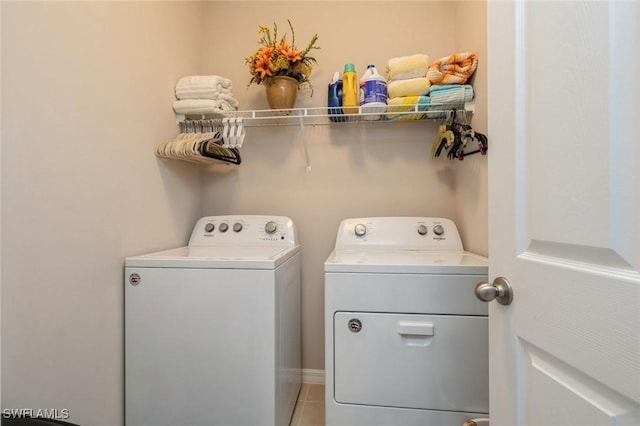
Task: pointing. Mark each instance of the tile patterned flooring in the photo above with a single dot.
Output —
(309, 409)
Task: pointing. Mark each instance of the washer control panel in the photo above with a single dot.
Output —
(249, 230)
(403, 233)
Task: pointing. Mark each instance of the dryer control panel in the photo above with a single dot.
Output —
(399, 233)
(248, 230)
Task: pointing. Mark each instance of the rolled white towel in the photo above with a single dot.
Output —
(217, 96)
(200, 93)
(202, 86)
(227, 97)
(202, 106)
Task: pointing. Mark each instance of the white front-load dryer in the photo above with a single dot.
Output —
(212, 329)
(406, 339)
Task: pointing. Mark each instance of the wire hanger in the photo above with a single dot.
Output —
(200, 141)
(455, 134)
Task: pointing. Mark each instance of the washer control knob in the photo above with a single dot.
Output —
(422, 230)
(223, 227)
(209, 227)
(270, 227)
(237, 227)
(438, 230)
(360, 230)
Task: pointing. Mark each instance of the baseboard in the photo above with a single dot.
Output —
(314, 377)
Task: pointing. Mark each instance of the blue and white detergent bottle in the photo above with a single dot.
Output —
(373, 93)
(334, 98)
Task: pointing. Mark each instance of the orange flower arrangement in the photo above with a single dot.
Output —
(279, 58)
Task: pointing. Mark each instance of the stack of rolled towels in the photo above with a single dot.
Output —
(415, 84)
(199, 95)
(407, 86)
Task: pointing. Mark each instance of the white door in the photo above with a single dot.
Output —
(564, 206)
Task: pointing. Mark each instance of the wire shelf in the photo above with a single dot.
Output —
(321, 116)
(304, 117)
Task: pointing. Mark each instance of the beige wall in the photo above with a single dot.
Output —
(86, 96)
(378, 169)
(471, 181)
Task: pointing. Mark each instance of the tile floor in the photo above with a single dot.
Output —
(309, 409)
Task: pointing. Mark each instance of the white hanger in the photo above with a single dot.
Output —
(240, 132)
(225, 132)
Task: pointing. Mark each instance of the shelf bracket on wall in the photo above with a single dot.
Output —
(304, 143)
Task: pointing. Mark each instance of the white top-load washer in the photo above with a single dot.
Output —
(212, 330)
(406, 340)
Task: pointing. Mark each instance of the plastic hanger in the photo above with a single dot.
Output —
(240, 132)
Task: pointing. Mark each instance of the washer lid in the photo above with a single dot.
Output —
(229, 257)
(406, 262)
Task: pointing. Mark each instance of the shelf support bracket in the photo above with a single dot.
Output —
(304, 143)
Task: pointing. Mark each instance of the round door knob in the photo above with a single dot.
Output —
(360, 229)
(500, 290)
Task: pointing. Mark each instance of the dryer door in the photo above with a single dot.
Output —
(437, 362)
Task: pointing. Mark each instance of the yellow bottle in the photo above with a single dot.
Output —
(350, 89)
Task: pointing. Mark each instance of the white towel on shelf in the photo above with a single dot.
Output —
(202, 86)
(227, 97)
(202, 106)
(201, 93)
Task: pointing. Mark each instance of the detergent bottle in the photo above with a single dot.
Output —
(334, 98)
(373, 93)
(350, 99)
